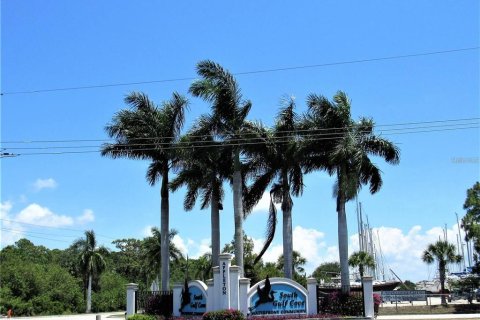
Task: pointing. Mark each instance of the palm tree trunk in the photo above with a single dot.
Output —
(238, 212)
(215, 221)
(164, 228)
(343, 237)
(287, 229)
(441, 268)
(89, 294)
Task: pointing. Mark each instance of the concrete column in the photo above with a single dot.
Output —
(216, 289)
(131, 289)
(234, 287)
(244, 286)
(312, 296)
(177, 298)
(210, 295)
(368, 296)
(225, 262)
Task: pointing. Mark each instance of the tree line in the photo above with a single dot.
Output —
(224, 146)
(87, 277)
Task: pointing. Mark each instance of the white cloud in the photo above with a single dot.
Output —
(86, 217)
(12, 231)
(402, 251)
(41, 184)
(147, 231)
(36, 214)
(264, 204)
(192, 248)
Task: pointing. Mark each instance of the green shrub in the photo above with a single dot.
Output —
(141, 317)
(228, 314)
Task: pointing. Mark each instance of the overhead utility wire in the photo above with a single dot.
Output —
(208, 135)
(227, 145)
(41, 233)
(328, 64)
(248, 139)
(27, 235)
(50, 227)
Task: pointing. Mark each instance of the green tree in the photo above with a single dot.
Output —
(297, 265)
(91, 260)
(471, 221)
(362, 260)
(344, 152)
(326, 271)
(277, 162)
(444, 253)
(407, 285)
(152, 248)
(229, 111)
(203, 171)
(149, 132)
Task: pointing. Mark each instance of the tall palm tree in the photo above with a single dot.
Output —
(362, 260)
(278, 163)
(152, 250)
(92, 261)
(148, 132)
(203, 168)
(344, 150)
(444, 253)
(229, 111)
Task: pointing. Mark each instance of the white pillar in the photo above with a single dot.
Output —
(225, 261)
(131, 289)
(312, 296)
(234, 287)
(244, 286)
(177, 297)
(216, 289)
(368, 297)
(210, 295)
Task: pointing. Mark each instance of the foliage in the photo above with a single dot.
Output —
(362, 260)
(228, 314)
(112, 295)
(158, 304)
(343, 304)
(407, 285)
(471, 221)
(326, 271)
(141, 317)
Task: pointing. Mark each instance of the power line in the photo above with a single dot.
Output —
(41, 233)
(320, 65)
(50, 227)
(307, 133)
(234, 144)
(23, 233)
(208, 135)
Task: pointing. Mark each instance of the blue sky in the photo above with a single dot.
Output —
(59, 44)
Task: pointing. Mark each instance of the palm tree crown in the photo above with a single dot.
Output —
(444, 253)
(149, 132)
(362, 260)
(229, 111)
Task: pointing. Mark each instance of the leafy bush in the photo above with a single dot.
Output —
(112, 294)
(343, 304)
(141, 317)
(228, 314)
(159, 305)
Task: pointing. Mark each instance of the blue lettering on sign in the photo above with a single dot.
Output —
(280, 299)
(198, 302)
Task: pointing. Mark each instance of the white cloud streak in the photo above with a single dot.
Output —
(41, 184)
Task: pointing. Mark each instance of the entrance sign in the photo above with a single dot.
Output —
(277, 296)
(194, 300)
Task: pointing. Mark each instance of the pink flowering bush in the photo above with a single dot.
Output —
(227, 314)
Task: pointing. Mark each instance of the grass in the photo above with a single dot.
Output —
(436, 309)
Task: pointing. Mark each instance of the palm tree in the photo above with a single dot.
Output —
(444, 253)
(362, 260)
(92, 261)
(229, 112)
(278, 162)
(203, 170)
(149, 132)
(298, 262)
(344, 150)
(152, 250)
